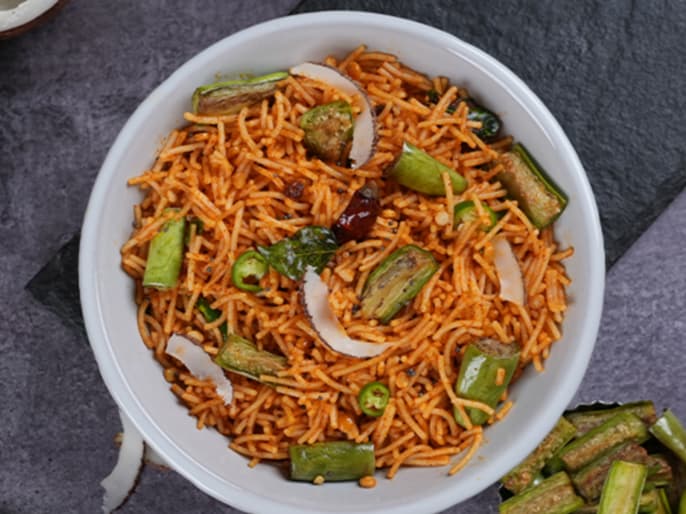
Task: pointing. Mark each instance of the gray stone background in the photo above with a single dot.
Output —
(66, 89)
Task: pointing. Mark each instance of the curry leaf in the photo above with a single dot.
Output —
(310, 246)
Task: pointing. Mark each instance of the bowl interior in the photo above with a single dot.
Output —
(134, 378)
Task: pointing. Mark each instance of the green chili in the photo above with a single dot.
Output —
(660, 473)
(165, 255)
(465, 212)
(334, 461)
(373, 399)
(417, 170)
(480, 379)
(247, 271)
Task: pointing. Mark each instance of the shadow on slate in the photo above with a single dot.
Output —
(57, 284)
(611, 73)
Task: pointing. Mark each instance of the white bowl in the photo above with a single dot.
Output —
(134, 378)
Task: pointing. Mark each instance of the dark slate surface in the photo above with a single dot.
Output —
(612, 73)
(67, 88)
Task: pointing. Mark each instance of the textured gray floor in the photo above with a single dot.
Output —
(57, 420)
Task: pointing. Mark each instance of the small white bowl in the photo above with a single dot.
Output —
(134, 378)
(19, 16)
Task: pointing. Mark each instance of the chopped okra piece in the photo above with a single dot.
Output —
(417, 170)
(165, 255)
(622, 489)
(670, 432)
(328, 130)
(585, 420)
(621, 428)
(334, 461)
(396, 281)
(485, 372)
(230, 96)
(555, 495)
(524, 474)
(242, 356)
(537, 195)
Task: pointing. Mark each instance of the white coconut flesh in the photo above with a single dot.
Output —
(200, 364)
(150, 456)
(315, 299)
(119, 484)
(508, 270)
(15, 13)
(364, 131)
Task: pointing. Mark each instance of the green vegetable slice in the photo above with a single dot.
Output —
(334, 461)
(328, 130)
(396, 281)
(417, 170)
(670, 432)
(537, 195)
(660, 473)
(555, 495)
(622, 489)
(465, 212)
(230, 96)
(247, 271)
(524, 474)
(242, 356)
(621, 428)
(373, 399)
(310, 246)
(479, 375)
(165, 255)
(585, 420)
(589, 480)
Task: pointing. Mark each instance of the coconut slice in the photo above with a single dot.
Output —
(199, 364)
(509, 272)
(315, 300)
(364, 132)
(119, 484)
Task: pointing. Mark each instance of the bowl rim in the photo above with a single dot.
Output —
(111, 372)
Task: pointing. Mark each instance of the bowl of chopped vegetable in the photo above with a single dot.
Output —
(380, 266)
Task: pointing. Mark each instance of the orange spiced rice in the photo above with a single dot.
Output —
(233, 172)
